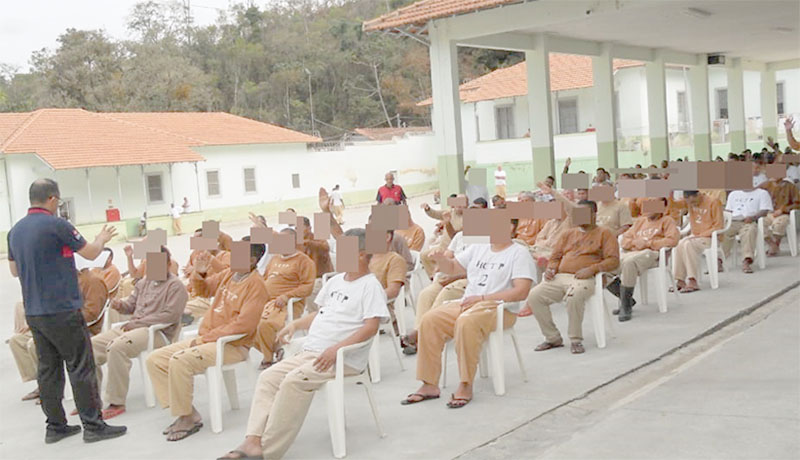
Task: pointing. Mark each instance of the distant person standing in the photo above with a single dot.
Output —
(185, 205)
(391, 190)
(500, 182)
(143, 224)
(337, 204)
(175, 212)
(40, 253)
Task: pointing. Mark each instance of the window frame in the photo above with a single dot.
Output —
(717, 92)
(296, 175)
(780, 97)
(577, 114)
(219, 183)
(160, 175)
(510, 123)
(244, 180)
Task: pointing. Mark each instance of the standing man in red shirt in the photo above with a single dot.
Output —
(391, 190)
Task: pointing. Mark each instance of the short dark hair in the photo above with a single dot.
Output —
(480, 202)
(453, 195)
(690, 192)
(497, 198)
(589, 203)
(306, 221)
(42, 189)
(257, 250)
(551, 178)
(169, 254)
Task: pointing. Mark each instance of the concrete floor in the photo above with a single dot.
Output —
(431, 431)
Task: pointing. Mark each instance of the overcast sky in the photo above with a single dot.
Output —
(29, 25)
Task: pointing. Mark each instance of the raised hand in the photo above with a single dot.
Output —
(107, 234)
(128, 250)
(202, 262)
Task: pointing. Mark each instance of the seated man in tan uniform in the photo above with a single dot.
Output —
(785, 198)
(705, 216)
(136, 272)
(456, 219)
(109, 273)
(390, 269)
(640, 246)
(615, 215)
(414, 235)
(502, 271)
(239, 299)
(152, 302)
(351, 307)
(94, 293)
(528, 229)
(580, 253)
(287, 276)
(197, 306)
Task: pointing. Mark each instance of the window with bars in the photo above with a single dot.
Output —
(155, 189)
(779, 97)
(295, 180)
(212, 183)
(504, 120)
(568, 116)
(250, 180)
(683, 121)
(722, 103)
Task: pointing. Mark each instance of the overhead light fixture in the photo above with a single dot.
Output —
(696, 13)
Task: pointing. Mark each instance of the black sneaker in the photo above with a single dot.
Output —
(54, 435)
(106, 432)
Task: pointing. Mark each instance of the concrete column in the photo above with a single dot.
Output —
(119, 192)
(657, 110)
(144, 187)
(89, 192)
(540, 113)
(700, 118)
(769, 104)
(606, 130)
(197, 181)
(736, 118)
(446, 111)
(172, 185)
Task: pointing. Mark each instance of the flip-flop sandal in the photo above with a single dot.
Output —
(112, 412)
(576, 348)
(408, 401)
(240, 455)
(167, 429)
(747, 270)
(547, 345)
(183, 434)
(525, 312)
(457, 403)
(688, 289)
(31, 396)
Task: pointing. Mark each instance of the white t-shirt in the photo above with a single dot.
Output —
(499, 177)
(175, 212)
(759, 179)
(344, 306)
(336, 198)
(489, 272)
(747, 204)
(793, 173)
(457, 244)
(474, 192)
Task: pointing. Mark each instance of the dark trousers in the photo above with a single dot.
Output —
(61, 339)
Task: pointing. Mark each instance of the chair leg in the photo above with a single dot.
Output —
(229, 379)
(396, 345)
(643, 288)
(375, 359)
(149, 394)
(400, 314)
(497, 362)
(522, 370)
(713, 274)
(335, 397)
(214, 398)
(483, 363)
(662, 288)
(598, 318)
(372, 405)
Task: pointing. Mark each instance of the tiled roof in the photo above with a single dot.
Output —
(76, 138)
(567, 71)
(387, 134)
(423, 11)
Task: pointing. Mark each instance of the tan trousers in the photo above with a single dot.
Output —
(125, 287)
(469, 329)
(435, 295)
(686, 257)
(747, 238)
(281, 400)
(338, 212)
(117, 348)
(173, 367)
(634, 263)
(176, 226)
(425, 256)
(500, 190)
(198, 307)
(776, 226)
(20, 324)
(563, 287)
(24, 351)
(273, 319)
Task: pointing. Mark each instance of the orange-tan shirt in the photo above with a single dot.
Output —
(706, 216)
(237, 305)
(614, 215)
(716, 193)
(110, 276)
(656, 234)
(388, 267)
(291, 276)
(320, 253)
(785, 196)
(577, 249)
(528, 230)
(95, 293)
(676, 209)
(551, 231)
(414, 236)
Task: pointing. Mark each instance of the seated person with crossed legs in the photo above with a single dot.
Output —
(502, 271)
(705, 216)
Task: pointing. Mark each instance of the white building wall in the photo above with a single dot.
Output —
(791, 90)
(5, 199)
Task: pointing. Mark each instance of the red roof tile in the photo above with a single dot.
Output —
(76, 138)
(423, 11)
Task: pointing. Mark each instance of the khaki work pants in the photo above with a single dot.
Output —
(273, 319)
(747, 238)
(500, 190)
(470, 329)
(338, 212)
(686, 257)
(563, 287)
(173, 367)
(20, 324)
(281, 400)
(435, 295)
(776, 226)
(176, 226)
(634, 263)
(198, 307)
(24, 351)
(117, 348)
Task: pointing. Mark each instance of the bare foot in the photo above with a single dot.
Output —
(426, 391)
(183, 425)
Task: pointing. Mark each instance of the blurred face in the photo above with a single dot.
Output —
(389, 178)
(522, 197)
(499, 203)
(592, 219)
(582, 194)
(550, 182)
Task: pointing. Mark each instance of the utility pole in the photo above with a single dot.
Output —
(311, 101)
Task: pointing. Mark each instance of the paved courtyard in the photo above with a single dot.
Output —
(740, 401)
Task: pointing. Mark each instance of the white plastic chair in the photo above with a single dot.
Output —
(417, 280)
(600, 312)
(290, 309)
(662, 274)
(375, 355)
(761, 250)
(495, 356)
(149, 394)
(791, 232)
(103, 316)
(400, 304)
(222, 374)
(714, 252)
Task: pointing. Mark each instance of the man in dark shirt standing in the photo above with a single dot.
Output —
(40, 253)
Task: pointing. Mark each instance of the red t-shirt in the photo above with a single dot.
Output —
(395, 192)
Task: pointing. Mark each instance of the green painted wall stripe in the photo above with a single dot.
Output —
(737, 141)
(607, 154)
(659, 150)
